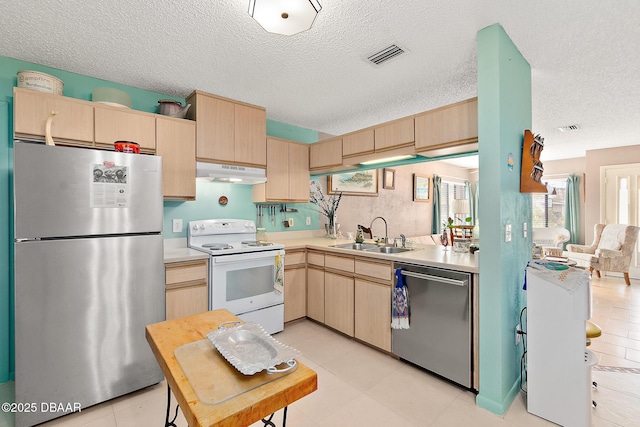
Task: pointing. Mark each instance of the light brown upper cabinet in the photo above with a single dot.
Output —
(396, 134)
(118, 124)
(326, 156)
(176, 143)
(448, 126)
(356, 143)
(287, 173)
(228, 131)
(72, 119)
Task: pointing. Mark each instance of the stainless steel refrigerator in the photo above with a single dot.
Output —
(89, 276)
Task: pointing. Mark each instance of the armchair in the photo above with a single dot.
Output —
(550, 237)
(612, 249)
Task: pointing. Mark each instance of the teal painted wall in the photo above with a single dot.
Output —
(240, 206)
(504, 112)
(206, 205)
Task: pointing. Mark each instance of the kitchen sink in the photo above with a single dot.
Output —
(371, 247)
(356, 246)
(388, 250)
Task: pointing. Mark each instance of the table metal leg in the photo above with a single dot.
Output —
(268, 423)
(171, 423)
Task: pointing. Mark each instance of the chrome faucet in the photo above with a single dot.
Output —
(402, 238)
(386, 234)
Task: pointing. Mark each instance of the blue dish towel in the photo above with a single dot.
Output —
(400, 303)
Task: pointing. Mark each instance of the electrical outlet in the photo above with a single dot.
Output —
(177, 225)
(308, 221)
(518, 330)
(507, 233)
(524, 230)
(290, 222)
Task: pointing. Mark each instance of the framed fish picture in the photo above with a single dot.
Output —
(360, 183)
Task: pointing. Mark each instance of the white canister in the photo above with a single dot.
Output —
(40, 81)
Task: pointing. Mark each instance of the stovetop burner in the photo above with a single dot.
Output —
(217, 246)
(256, 243)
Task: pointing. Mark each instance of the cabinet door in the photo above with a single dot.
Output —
(295, 293)
(72, 123)
(118, 124)
(277, 185)
(339, 302)
(315, 294)
(215, 120)
(176, 143)
(299, 173)
(457, 123)
(186, 301)
(358, 143)
(325, 154)
(250, 135)
(373, 313)
(395, 134)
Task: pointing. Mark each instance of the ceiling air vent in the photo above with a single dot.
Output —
(385, 54)
(569, 128)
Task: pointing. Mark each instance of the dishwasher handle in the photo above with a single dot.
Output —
(434, 278)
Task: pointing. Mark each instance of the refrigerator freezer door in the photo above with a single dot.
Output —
(81, 307)
(57, 194)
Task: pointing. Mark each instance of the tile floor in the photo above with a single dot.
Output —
(359, 386)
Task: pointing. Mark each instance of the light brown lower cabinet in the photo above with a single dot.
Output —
(338, 302)
(187, 290)
(315, 293)
(295, 292)
(373, 313)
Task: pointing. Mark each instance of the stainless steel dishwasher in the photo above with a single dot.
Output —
(439, 337)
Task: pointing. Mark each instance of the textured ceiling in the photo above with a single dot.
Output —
(584, 56)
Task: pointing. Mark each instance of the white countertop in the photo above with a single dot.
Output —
(175, 250)
(429, 255)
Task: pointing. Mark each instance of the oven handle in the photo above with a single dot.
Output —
(223, 259)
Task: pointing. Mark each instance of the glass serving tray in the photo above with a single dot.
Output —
(250, 349)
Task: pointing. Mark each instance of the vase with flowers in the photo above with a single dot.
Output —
(326, 206)
(447, 226)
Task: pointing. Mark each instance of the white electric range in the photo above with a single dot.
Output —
(246, 276)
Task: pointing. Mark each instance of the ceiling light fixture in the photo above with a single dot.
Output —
(286, 17)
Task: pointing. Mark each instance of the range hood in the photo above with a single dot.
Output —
(230, 173)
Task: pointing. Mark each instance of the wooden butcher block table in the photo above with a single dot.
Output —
(189, 333)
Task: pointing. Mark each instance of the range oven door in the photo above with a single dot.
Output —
(245, 282)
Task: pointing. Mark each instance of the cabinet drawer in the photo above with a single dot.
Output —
(294, 257)
(377, 270)
(314, 258)
(339, 263)
(185, 272)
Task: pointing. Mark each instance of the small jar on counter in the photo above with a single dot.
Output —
(261, 234)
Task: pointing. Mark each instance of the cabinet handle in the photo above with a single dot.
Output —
(47, 129)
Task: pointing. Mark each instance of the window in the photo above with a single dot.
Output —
(449, 191)
(548, 208)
